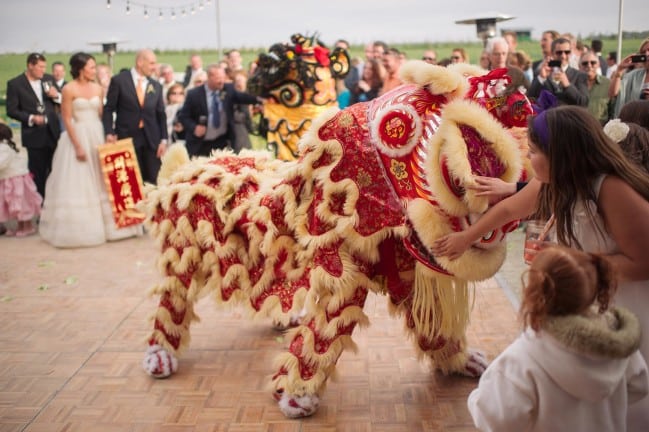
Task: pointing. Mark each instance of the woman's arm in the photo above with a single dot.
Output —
(99, 91)
(517, 206)
(66, 115)
(626, 217)
(616, 78)
(493, 188)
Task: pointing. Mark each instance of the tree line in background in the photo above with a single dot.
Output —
(625, 35)
(13, 64)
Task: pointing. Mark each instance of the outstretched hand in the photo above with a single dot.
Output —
(492, 187)
(451, 246)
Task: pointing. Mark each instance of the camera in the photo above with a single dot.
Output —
(554, 63)
(640, 58)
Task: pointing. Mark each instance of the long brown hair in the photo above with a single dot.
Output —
(378, 73)
(564, 281)
(637, 112)
(578, 152)
(6, 136)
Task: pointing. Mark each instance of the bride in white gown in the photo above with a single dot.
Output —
(77, 211)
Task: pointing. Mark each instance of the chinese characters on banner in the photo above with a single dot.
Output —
(123, 181)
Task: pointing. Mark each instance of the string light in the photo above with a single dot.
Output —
(169, 10)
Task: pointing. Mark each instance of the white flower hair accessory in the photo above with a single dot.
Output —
(616, 130)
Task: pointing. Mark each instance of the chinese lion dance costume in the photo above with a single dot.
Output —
(298, 81)
(304, 242)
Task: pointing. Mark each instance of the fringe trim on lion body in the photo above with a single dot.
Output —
(440, 304)
(333, 302)
(437, 315)
(277, 183)
(191, 258)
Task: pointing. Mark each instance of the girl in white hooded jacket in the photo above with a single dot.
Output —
(576, 367)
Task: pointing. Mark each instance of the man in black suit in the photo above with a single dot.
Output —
(597, 45)
(569, 85)
(208, 113)
(30, 100)
(58, 75)
(136, 101)
(194, 67)
(58, 72)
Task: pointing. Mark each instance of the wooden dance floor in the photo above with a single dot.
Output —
(73, 328)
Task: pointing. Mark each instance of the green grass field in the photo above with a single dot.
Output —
(13, 64)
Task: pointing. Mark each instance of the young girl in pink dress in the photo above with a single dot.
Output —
(19, 200)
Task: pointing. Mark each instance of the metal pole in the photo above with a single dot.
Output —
(619, 32)
(218, 30)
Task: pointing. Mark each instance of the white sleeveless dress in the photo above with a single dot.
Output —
(77, 211)
(632, 295)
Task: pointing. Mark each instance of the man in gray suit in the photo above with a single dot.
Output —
(569, 85)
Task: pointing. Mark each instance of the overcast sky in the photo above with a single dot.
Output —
(69, 25)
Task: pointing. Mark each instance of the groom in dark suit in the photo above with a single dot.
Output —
(208, 113)
(136, 102)
(30, 100)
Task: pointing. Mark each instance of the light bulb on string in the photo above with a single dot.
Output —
(107, 4)
(160, 16)
(184, 13)
(128, 8)
(146, 13)
(200, 5)
(193, 10)
(173, 14)
(208, 2)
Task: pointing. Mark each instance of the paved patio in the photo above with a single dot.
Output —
(74, 324)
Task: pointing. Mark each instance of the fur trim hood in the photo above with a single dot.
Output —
(586, 355)
(614, 334)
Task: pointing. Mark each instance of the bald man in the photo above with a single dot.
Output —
(135, 101)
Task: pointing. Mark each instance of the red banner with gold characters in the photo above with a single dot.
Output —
(123, 181)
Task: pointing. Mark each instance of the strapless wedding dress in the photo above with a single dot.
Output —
(77, 211)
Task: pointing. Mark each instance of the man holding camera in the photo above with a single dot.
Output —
(634, 84)
(569, 85)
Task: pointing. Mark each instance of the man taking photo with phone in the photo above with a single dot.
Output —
(629, 85)
(569, 85)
